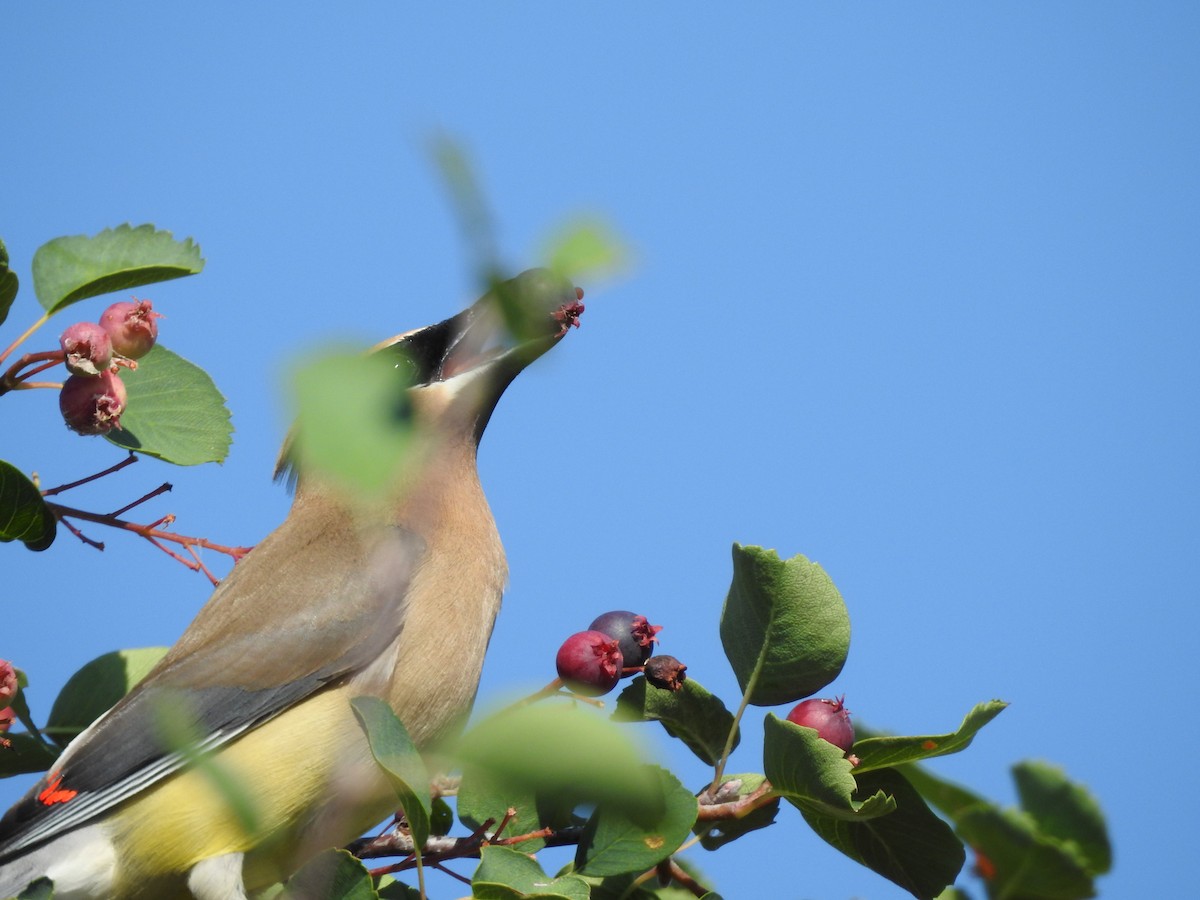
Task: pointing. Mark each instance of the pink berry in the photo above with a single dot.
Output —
(132, 326)
(8, 681)
(590, 663)
(636, 635)
(92, 404)
(830, 718)
(7, 717)
(88, 348)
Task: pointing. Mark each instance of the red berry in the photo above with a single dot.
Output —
(132, 326)
(92, 404)
(87, 347)
(590, 663)
(8, 681)
(637, 636)
(830, 718)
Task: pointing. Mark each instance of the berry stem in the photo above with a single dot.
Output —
(14, 379)
(28, 331)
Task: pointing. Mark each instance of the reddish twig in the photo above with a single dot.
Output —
(15, 379)
(152, 533)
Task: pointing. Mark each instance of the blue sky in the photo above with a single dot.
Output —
(913, 293)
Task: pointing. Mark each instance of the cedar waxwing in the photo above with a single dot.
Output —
(394, 600)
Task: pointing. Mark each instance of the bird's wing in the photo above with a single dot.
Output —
(312, 604)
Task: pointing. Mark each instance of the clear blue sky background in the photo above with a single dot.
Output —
(914, 293)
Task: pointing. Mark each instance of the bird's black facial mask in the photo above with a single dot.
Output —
(514, 323)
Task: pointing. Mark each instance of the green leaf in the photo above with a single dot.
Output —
(890, 751)
(950, 798)
(24, 754)
(42, 889)
(398, 757)
(714, 835)
(692, 714)
(1023, 862)
(482, 797)
(911, 847)
(621, 887)
(585, 247)
(1066, 812)
(813, 774)
(8, 284)
(69, 269)
(96, 687)
(332, 875)
(174, 411)
(441, 817)
(614, 842)
(390, 889)
(24, 515)
(784, 627)
(554, 749)
(504, 873)
(353, 420)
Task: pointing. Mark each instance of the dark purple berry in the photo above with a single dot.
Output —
(665, 672)
(590, 663)
(830, 718)
(92, 404)
(132, 326)
(635, 634)
(87, 347)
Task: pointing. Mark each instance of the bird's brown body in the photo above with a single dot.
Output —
(393, 597)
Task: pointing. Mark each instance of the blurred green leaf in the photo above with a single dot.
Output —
(911, 846)
(174, 412)
(1066, 812)
(1019, 860)
(8, 284)
(69, 269)
(397, 755)
(950, 798)
(813, 774)
(504, 873)
(717, 834)
(42, 889)
(390, 889)
(585, 248)
(354, 420)
(784, 626)
(482, 797)
(441, 817)
(556, 749)
(614, 842)
(692, 714)
(332, 875)
(96, 687)
(24, 515)
(890, 751)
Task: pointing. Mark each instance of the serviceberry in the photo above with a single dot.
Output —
(830, 718)
(132, 326)
(92, 404)
(590, 662)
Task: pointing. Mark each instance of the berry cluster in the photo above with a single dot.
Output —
(93, 397)
(616, 644)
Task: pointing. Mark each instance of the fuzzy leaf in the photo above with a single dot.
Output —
(784, 627)
(482, 797)
(813, 774)
(911, 847)
(891, 751)
(397, 756)
(332, 875)
(614, 842)
(174, 413)
(8, 284)
(692, 714)
(24, 515)
(1066, 812)
(504, 873)
(69, 269)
